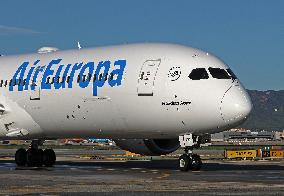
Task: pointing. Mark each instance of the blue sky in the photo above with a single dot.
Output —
(247, 34)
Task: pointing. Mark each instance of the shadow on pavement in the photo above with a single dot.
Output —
(162, 165)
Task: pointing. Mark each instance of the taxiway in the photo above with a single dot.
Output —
(77, 176)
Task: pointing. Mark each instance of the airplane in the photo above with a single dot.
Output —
(150, 98)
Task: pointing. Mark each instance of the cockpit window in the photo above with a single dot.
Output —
(232, 74)
(198, 74)
(219, 73)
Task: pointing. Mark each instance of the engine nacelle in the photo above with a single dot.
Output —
(150, 147)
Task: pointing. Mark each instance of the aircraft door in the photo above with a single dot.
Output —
(147, 76)
(36, 83)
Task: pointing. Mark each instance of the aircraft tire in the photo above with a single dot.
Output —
(21, 157)
(184, 162)
(33, 157)
(39, 155)
(49, 157)
(196, 162)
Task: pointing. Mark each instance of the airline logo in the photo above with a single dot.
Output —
(63, 76)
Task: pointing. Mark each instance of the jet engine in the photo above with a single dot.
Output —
(150, 147)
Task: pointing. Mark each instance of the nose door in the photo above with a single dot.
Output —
(147, 76)
(235, 105)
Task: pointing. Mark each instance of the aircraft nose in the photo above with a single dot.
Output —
(236, 105)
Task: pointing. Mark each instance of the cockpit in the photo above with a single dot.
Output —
(216, 73)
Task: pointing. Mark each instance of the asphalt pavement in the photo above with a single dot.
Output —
(73, 175)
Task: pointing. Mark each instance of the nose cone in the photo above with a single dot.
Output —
(236, 105)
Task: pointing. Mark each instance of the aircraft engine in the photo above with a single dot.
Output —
(150, 147)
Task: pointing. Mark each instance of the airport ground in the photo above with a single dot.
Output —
(85, 170)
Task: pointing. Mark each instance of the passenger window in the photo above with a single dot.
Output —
(219, 73)
(89, 77)
(198, 74)
(68, 78)
(63, 79)
(232, 74)
(58, 80)
(111, 76)
(100, 77)
(47, 80)
(95, 77)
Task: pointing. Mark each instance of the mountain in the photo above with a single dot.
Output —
(268, 111)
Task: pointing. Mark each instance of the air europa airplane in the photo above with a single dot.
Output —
(149, 98)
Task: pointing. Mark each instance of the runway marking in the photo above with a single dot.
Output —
(164, 175)
(176, 170)
(154, 170)
(273, 172)
(275, 177)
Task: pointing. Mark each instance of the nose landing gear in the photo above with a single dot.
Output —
(35, 157)
(190, 161)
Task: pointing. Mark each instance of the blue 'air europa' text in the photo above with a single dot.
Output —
(58, 76)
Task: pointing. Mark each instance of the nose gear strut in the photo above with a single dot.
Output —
(190, 161)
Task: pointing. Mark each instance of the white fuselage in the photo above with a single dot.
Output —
(155, 97)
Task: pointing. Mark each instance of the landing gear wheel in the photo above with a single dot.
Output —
(21, 157)
(184, 162)
(196, 162)
(34, 157)
(39, 158)
(49, 157)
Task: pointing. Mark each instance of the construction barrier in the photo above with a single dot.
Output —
(273, 153)
(241, 154)
(252, 154)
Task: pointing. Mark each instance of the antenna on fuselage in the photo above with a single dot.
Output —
(79, 45)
